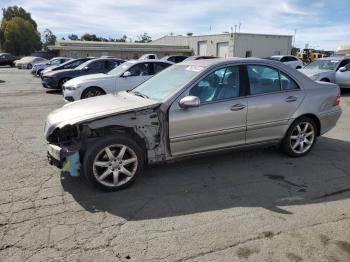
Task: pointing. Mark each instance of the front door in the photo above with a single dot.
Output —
(139, 73)
(274, 97)
(219, 121)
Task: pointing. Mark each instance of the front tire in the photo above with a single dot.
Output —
(62, 82)
(91, 92)
(113, 162)
(29, 66)
(300, 137)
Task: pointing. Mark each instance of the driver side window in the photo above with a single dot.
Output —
(221, 84)
(142, 69)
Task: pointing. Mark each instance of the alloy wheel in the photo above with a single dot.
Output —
(115, 165)
(302, 137)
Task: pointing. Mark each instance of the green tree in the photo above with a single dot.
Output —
(15, 11)
(73, 37)
(89, 37)
(144, 38)
(20, 37)
(48, 38)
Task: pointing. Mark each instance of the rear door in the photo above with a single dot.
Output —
(273, 98)
(220, 120)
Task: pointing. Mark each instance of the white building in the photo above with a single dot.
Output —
(125, 50)
(222, 45)
(233, 44)
(343, 50)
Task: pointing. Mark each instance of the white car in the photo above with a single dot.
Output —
(324, 69)
(29, 61)
(124, 77)
(289, 60)
(148, 56)
(342, 76)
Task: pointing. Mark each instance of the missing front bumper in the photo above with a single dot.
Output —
(65, 159)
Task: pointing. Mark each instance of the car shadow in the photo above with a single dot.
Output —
(255, 178)
(54, 92)
(345, 92)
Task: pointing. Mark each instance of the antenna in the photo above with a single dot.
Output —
(235, 28)
(295, 32)
(239, 27)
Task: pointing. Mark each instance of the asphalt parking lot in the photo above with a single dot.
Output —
(256, 205)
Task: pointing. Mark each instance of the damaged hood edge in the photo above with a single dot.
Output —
(95, 108)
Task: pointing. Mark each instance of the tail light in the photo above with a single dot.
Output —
(336, 101)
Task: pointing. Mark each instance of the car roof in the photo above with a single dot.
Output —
(213, 61)
(136, 61)
(338, 58)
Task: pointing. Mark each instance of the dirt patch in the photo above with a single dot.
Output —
(343, 245)
(324, 239)
(245, 252)
(293, 257)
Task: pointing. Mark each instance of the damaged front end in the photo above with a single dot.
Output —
(68, 144)
(63, 150)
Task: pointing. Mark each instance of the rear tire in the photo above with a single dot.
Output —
(300, 137)
(91, 92)
(29, 66)
(113, 162)
(325, 80)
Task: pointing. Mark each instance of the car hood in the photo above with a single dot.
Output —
(311, 72)
(87, 78)
(94, 108)
(63, 72)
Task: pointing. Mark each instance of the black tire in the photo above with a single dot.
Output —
(325, 80)
(29, 66)
(286, 145)
(298, 67)
(92, 91)
(62, 81)
(39, 71)
(97, 150)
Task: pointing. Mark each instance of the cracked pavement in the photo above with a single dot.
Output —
(256, 205)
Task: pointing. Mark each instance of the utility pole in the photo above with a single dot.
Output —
(239, 27)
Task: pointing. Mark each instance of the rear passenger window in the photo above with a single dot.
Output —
(287, 83)
(263, 79)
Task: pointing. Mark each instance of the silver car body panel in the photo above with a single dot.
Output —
(171, 132)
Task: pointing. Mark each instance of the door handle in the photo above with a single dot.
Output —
(237, 107)
(291, 99)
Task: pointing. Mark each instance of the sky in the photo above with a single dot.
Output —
(323, 24)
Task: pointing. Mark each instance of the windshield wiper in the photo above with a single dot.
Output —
(136, 93)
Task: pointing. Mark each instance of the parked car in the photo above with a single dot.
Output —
(324, 69)
(71, 64)
(7, 59)
(148, 56)
(124, 77)
(38, 68)
(199, 57)
(190, 108)
(56, 79)
(29, 61)
(174, 58)
(289, 60)
(342, 76)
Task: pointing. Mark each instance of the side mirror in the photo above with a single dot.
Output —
(126, 74)
(189, 101)
(342, 69)
(86, 68)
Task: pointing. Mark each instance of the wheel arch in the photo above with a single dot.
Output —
(128, 131)
(314, 118)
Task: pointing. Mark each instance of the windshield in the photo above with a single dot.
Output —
(120, 69)
(323, 65)
(168, 82)
(83, 65)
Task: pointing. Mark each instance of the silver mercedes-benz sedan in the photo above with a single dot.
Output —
(190, 108)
